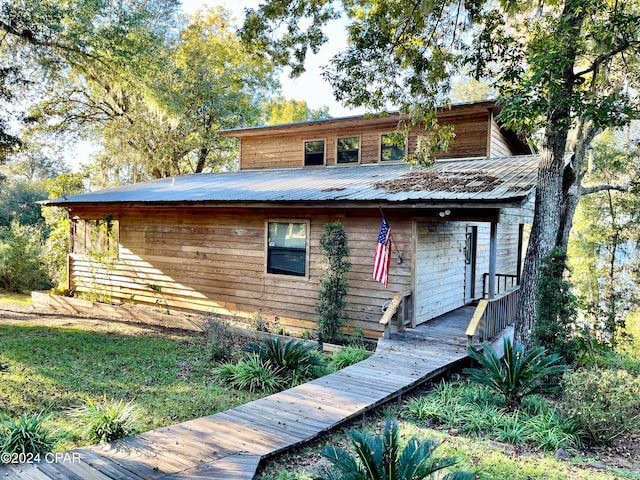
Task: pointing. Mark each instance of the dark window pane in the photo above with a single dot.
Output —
(348, 150)
(314, 152)
(287, 248)
(389, 151)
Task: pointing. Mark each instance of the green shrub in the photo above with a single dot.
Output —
(106, 421)
(20, 266)
(332, 297)
(347, 356)
(604, 403)
(386, 457)
(253, 374)
(294, 360)
(221, 339)
(27, 434)
(556, 308)
(609, 359)
(518, 374)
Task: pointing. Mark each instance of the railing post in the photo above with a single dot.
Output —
(493, 254)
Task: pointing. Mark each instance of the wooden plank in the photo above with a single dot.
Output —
(26, 471)
(238, 467)
(106, 465)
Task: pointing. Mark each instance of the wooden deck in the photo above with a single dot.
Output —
(231, 444)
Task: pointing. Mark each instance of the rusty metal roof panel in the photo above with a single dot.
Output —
(465, 180)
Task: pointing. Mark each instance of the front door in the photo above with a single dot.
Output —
(470, 264)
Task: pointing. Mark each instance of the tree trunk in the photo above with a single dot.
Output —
(572, 180)
(202, 159)
(544, 232)
(549, 192)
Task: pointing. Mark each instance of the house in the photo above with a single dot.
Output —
(247, 242)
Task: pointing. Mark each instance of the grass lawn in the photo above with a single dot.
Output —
(167, 375)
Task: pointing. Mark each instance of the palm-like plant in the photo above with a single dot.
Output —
(296, 359)
(386, 458)
(520, 373)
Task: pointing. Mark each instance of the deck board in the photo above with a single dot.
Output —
(231, 444)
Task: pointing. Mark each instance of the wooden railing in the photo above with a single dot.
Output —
(504, 282)
(402, 304)
(492, 316)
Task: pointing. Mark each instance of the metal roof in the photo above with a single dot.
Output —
(490, 180)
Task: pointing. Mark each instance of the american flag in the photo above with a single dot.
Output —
(383, 254)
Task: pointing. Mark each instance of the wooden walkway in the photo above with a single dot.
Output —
(231, 444)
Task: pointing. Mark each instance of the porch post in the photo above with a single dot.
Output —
(493, 253)
(520, 240)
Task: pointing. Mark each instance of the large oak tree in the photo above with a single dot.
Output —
(567, 68)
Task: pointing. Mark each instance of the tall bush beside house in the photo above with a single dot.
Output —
(332, 301)
(20, 252)
(557, 308)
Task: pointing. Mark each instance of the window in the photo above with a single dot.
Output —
(287, 248)
(314, 153)
(389, 149)
(95, 237)
(348, 150)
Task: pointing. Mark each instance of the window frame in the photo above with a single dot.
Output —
(324, 152)
(87, 239)
(307, 247)
(358, 160)
(380, 150)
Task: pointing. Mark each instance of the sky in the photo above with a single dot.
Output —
(310, 87)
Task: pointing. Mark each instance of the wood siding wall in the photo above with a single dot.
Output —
(214, 261)
(439, 285)
(440, 257)
(499, 145)
(287, 150)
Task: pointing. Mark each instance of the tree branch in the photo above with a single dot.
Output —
(602, 188)
(622, 47)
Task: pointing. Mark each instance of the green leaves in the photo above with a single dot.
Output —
(518, 374)
(333, 284)
(387, 457)
(27, 434)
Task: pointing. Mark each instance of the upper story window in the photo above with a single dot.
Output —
(389, 149)
(348, 150)
(287, 245)
(314, 153)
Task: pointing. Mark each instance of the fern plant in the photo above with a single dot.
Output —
(518, 374)
(385, 457)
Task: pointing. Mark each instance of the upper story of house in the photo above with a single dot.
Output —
(366, 140)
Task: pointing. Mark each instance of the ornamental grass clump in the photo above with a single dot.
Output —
(252, 373)
(27, 434)
(105, 421)
(347, 356)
